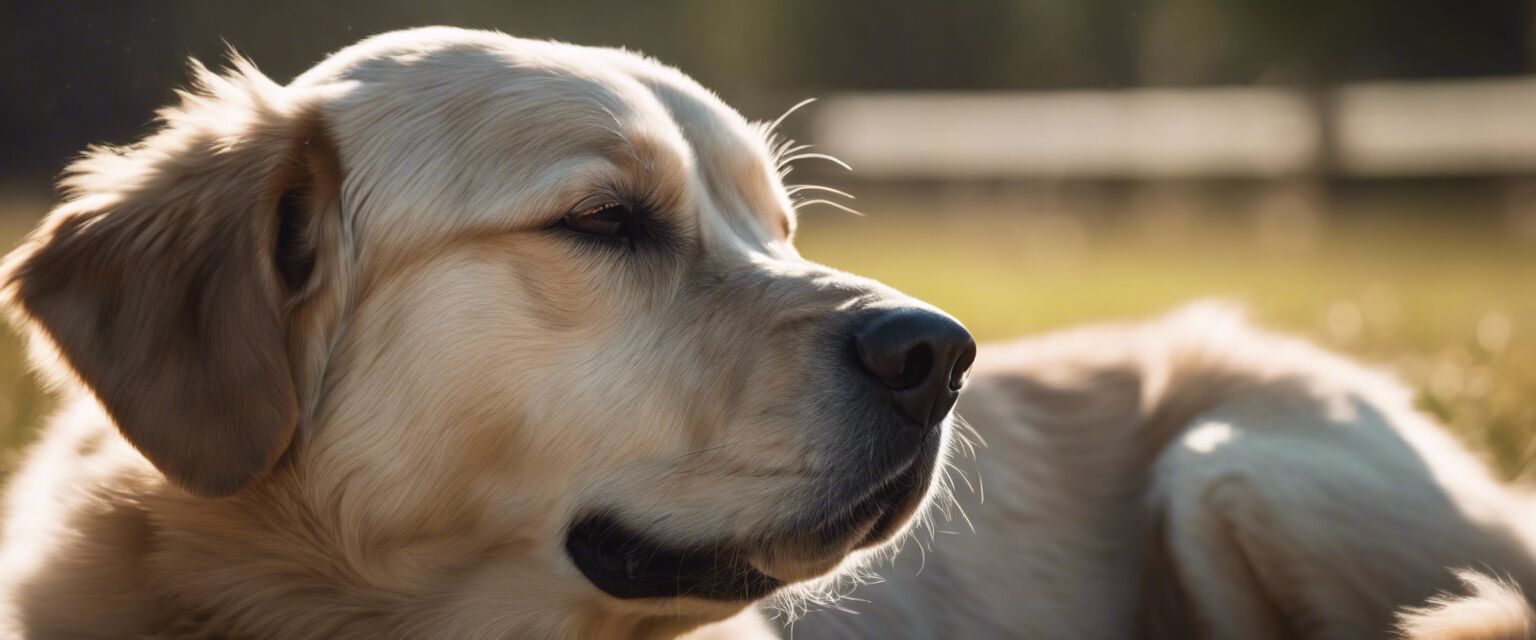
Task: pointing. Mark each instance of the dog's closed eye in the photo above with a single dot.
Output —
(610, 219)
(617, 222)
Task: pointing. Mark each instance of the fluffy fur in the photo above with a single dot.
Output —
(1491, 609)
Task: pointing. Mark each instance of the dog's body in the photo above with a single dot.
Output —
(466, 336)
(1194, 477)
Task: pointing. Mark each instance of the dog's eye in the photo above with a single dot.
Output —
(610, 219)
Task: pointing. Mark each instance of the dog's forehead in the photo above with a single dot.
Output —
(491, 127)
(735, 169)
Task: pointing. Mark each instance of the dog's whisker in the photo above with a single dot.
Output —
(782, 154)
(830, 203)
(818, 156)
(794, 189)
(968, 431)
(774, 126)
(964, 516)
(964, 478)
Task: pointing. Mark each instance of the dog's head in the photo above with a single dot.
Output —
(528, 309)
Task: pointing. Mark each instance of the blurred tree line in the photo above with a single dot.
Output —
(82, 72)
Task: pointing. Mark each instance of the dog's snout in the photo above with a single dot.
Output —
(922, 358)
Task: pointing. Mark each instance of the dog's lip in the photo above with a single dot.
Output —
(629, 565)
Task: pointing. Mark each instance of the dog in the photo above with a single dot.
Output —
(460, 335)
(1193, 476)
(457, 335)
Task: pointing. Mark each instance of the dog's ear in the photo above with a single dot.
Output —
(165, 278)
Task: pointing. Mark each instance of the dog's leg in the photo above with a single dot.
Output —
(1281, 531)
(1202, 579)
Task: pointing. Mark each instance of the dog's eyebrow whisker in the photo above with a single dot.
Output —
(774, 126)
(782, 155)
(818, 156)
(830, 203)
(794, 189)
(785, 152)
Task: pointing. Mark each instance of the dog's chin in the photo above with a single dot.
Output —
(629, 564)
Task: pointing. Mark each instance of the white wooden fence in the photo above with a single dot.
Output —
(1380, 129)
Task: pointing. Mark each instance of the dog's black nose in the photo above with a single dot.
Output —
(921, 356)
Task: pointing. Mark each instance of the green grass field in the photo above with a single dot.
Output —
(1447, 300)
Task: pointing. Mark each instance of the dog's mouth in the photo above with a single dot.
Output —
(628, 564)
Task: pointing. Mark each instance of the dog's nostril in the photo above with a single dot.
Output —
(962, 369)
(914, 370)
(920, 356)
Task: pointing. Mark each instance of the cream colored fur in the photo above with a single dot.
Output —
(1490, 610)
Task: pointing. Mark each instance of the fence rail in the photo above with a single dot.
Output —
(1483, 127)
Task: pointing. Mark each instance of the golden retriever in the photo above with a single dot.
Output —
(457, 335)
(465, 336)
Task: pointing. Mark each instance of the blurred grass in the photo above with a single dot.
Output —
(22, 403)
(1441, 291)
